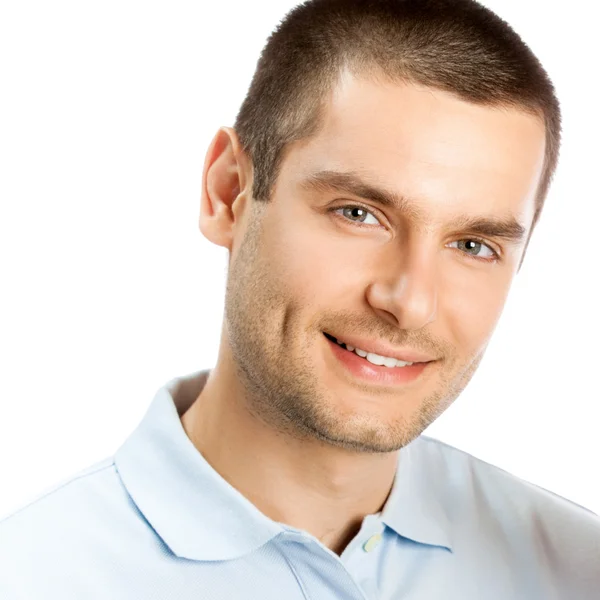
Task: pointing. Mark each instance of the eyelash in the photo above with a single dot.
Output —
(494, 259)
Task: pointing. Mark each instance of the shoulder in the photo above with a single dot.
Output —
(60, 498)
(490, 483)
(538, 526)
(70, 526)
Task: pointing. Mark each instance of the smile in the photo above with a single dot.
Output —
(373, 358)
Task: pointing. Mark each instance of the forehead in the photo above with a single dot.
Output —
(442, 152)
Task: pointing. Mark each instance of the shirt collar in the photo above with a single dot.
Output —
(417, 505)
(200, 516)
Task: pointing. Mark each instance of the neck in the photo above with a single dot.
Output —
(307, 484)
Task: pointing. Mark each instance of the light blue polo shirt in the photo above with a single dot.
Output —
(157, 522)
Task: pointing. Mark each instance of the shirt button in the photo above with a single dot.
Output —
(372, 542)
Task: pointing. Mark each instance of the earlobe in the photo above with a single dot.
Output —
(223, 179)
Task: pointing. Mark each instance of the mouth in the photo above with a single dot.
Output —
(373, 368)
(372, 357)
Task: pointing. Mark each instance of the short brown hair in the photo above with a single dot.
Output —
(458, 46)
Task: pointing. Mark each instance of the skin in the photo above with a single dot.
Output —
(279, 418)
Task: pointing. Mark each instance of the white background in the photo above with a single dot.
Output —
(108, 288)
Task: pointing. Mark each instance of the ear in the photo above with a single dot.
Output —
(226, 181)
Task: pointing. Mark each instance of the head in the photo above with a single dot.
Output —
(381, 181)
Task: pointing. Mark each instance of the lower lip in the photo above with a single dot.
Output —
(365, 370)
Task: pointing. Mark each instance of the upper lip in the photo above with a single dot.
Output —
(378, 347)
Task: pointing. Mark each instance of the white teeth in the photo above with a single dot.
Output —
(376, 359)
(388, 362)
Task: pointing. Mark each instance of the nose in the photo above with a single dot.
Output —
(406, 296)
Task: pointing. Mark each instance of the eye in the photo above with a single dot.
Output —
(357, 214)
(473, 248)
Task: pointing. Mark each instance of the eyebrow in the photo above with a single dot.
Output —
(507, 228)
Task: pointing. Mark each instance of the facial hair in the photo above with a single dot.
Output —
(275, 368)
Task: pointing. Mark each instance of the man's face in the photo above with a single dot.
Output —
(329, 257)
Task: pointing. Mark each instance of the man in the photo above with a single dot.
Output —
(376, 195)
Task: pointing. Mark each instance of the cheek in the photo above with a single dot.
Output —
(472, 309)
(313, 272)
(311, 262)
